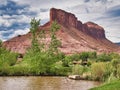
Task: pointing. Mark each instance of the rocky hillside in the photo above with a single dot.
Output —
(75, 36)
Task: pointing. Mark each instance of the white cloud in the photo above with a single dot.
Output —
(3, 2)
(2, 37)
(20, 32)
(49, 3)
(15, 33)
(7, 20)
(4, 21)
(21, 18)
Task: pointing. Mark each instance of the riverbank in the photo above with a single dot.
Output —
(115, 85)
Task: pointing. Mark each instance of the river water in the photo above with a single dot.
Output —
(44, 83)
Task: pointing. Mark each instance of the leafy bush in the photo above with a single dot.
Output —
(89, 63)
(115, 62)
(78, 69)
(104, 57)
(101, 71)
(118, 71)
(84, 56)
(59, 69)
(4, 69)
(114, 55)
(116, 65)
(7, 57)
(92, 55)
(66, 61)
(75, 57)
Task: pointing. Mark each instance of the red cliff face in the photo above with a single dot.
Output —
(64, 18)
(95, 30)
(69, 20)
(75, 36)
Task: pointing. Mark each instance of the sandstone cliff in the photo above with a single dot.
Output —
(75, 36)
(69, 20)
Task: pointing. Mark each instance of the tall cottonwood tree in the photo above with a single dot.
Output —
(55, 43)
(34, 27)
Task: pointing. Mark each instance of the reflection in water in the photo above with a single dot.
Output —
(44, 83)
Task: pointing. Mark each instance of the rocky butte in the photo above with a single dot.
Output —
(75, 36)
(69, 20)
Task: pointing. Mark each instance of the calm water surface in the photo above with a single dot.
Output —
(44, 83)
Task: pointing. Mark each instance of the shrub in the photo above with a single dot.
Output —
(4, 69)
(7, 57)
(66, 61)
(75, 57)
(104, 57)
(89, 63)
(92, 55)
(101, 71)
(116, 65)
(114, 55)
(77, 69)
(118, 71)
(59, 69)
(115, 62)
(108, 71)
(84, 56)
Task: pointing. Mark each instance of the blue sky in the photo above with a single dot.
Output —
(15, 15)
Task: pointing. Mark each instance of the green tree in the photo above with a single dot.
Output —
(0, 43)
(84, 56)
(55, 43)
(39, 58)
(34, 27)
(41, 39)
(1, 48)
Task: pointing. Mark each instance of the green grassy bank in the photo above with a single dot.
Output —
(115, 85)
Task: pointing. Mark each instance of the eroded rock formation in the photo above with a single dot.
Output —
(69, 20)
(75, 36)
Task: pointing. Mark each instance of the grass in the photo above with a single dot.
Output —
(115, 85)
